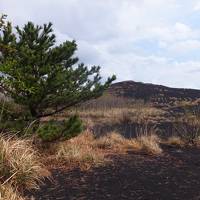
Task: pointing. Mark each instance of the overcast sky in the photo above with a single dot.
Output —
(154, 41)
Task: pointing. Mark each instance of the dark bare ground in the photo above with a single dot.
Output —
(174, 175)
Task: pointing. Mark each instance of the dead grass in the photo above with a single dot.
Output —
(147, 140)
(19, 163)
(113, 141)
(80, 150)
(86, 150)
(116, 115)
(175, 141)
(188, 127)
(149, 144)
(8, 193)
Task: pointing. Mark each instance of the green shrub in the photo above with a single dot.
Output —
(72, 127)
(50, 131)
(53, 130)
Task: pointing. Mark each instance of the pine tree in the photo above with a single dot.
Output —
(2, 21)
(42, 76)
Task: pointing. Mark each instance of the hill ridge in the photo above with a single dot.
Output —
(152, 93)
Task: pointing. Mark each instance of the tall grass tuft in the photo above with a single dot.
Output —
(149, 143)
(8, 193)
(114, 141)
(19, 163)
(80, 150)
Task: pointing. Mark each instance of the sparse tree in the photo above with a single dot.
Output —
(42, 76)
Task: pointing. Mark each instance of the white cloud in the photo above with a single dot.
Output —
(197, 6)
(185, 46)
(143, 40)
(176, 32)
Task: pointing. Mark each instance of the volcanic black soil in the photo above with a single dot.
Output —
(173, 175)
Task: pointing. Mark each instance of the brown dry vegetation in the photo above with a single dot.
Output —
(80, 151)
(175, 141)
(116, 115)
(8, 193)
(120, 110)
(112, 141)
(20, 164)
(20, 167)
(113, 110)
(116, 142)
(86, 150)
(149, 144)
(89, 150)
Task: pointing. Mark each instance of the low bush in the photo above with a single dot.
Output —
(50, 131)
(72, 127)
(53, 130)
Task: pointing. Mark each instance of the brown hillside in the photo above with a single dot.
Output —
(153, 93)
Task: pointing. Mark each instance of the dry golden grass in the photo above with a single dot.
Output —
(80, 150)
(116, 142)
(175, 141)
(116, 115)
(148, 143)
(8, 193)
(19, 163)
(113, 141)
(147, 140)
(86, 150)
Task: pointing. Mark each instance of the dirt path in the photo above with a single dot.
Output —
(175, 175)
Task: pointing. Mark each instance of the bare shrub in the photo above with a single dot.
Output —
(188, 128)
